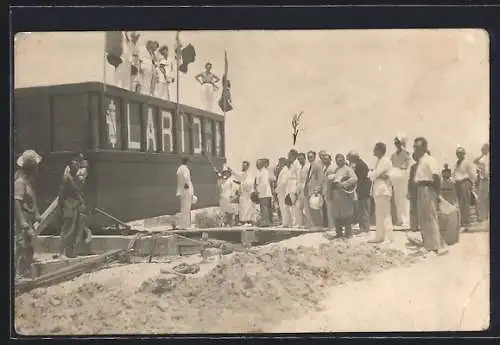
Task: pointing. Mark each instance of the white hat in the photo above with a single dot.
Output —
(401, 136)
(195, 200)
(29, 156)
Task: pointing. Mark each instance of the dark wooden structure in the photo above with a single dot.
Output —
(133, 143)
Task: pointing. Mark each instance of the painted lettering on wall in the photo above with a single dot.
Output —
(134, 126)
(208, 136)
(111, 123)
(218, 139)
(197, 135)
(151, 132)
(166, 125)
(183, 126)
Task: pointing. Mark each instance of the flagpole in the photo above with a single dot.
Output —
(224, 87)
(224, 93)
(177, 58)
(103, 107)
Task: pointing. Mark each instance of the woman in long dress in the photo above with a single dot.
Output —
(208, 82)
(343, 211)
(247, 214)
(165, 70)
(227, 192)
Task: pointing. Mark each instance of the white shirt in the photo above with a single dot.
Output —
(381, 186)
(427, 166)
(464, 170)
(484, 165)
(184, 177)
(285, 180)
(304, 170)
(264, 183)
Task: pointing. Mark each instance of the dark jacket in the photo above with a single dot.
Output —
(364, 183)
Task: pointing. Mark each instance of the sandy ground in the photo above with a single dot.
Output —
(441, 293)
(307, 283)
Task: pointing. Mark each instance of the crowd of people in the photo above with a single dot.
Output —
(312, 190)
(307, 190)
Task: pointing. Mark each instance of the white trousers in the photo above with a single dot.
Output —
(329, 210)
(208, 96)
(186, 199)
(122, 76)
(286, 211)
(383, 218)
(163, 91)
(299, 211)
(400, 191)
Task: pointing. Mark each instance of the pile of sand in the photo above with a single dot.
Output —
(244, 292)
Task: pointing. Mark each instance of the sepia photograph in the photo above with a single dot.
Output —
(251, 181)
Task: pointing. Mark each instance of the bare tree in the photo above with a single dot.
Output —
(296, 126)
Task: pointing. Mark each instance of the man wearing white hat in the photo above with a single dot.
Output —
(401, 160)
(26, 210)
(185, 192)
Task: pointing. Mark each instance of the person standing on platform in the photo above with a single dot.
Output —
(312, 187)
(328, 173)
(185, 193)
(483, 195)
(301, 213)
(264, 192)
(464, 176)
(293, 180)
(363, 204)
(84, 236)
(228, 190)
(428, 184)
(382, 193)
(276, 174)
(282, 192)
(401, 160)
(26, 210)
(72, 205)
(246, 206)
(343, 210)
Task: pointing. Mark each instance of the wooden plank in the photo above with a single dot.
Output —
(42, 268)
(69, 272)
(48, 216)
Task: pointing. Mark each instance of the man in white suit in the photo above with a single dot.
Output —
(185, 192)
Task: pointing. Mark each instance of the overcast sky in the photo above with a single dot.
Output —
(355, 87)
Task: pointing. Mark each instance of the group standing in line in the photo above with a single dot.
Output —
(310, 190)
(306, 190)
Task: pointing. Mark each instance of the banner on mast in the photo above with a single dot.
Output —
(186, 55)
(225, 102)
(114, 48)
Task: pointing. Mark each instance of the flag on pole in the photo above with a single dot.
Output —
(225, 103)
(185, 55)
(114, 48)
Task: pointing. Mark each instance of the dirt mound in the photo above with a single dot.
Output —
(243, 293)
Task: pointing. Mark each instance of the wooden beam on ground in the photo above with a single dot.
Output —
(71, 271)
